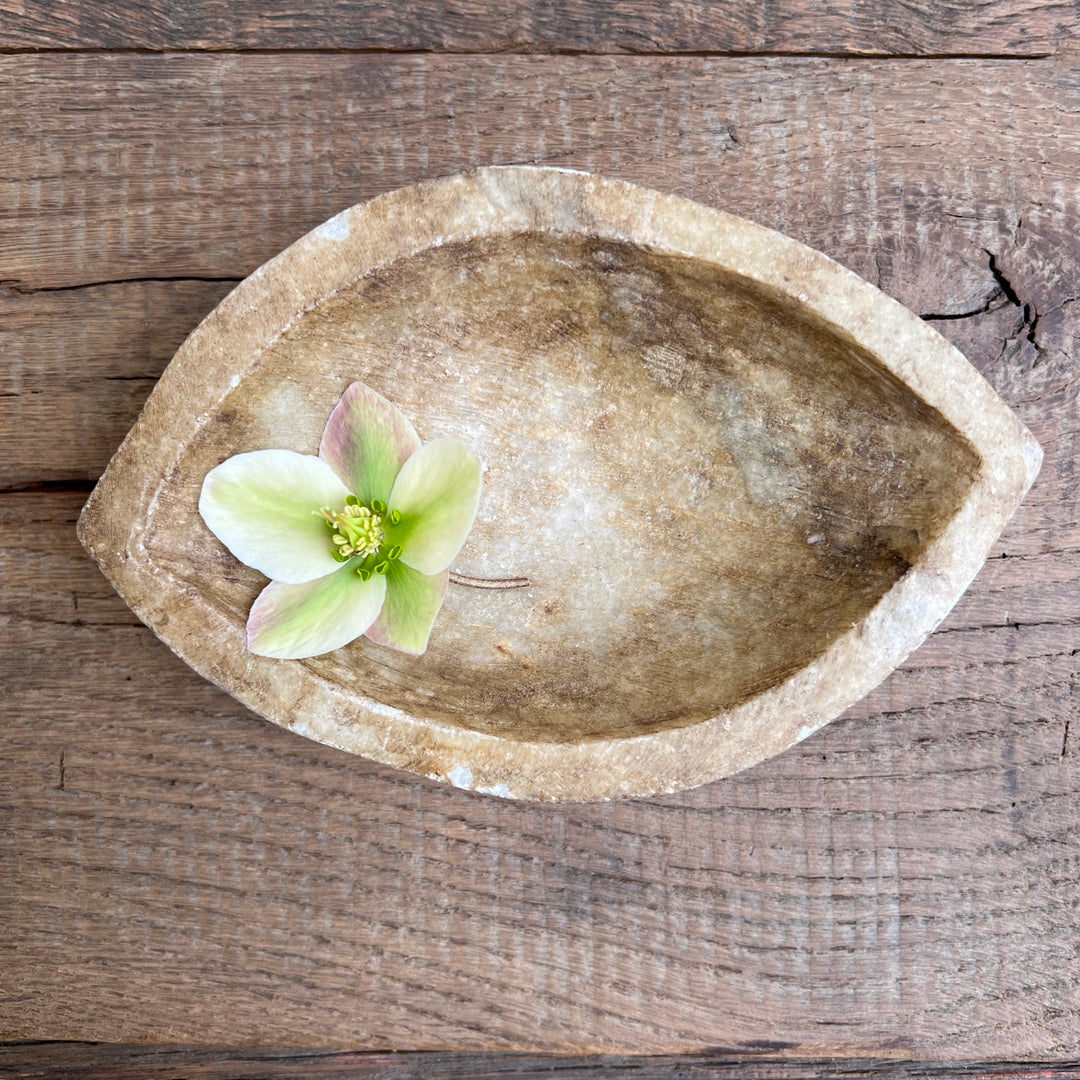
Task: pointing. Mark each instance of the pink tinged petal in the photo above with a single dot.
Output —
(263, 507)
(436, 493)
(290, 622)
(412, 602)
(367, 440)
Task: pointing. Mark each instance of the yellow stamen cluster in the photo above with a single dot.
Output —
(357, 530)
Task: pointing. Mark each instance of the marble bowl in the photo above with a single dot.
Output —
(743, 483)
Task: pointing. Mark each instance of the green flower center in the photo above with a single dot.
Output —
(358, 533)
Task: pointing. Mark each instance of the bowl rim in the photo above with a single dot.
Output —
(504, 200)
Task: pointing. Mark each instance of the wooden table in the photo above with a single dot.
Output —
(902, 889)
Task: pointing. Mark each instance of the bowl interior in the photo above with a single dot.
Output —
(704, 482)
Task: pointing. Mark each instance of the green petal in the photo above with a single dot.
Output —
(412, 602)
(291, 622)
(262, 507)
(367, 440)
(437, 493)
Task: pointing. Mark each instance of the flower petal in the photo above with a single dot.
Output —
(412, 602)
(436, 493)
(291, 622)
(367, 440)
(262, 507)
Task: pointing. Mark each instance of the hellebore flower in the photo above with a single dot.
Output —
(355, 541)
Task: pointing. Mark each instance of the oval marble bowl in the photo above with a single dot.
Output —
(742, 483)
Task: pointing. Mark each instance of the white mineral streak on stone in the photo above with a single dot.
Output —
(1033, 457)
(460, 776)
(337, 228)
(805, 732)
(501, 791)
(301, 726)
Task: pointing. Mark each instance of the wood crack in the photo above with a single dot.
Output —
(1027, 328)
(76, 486)
(1003, 282)
(983, 627)
(752, 1058)
(538, 50)
(21, 288)
(996, 300)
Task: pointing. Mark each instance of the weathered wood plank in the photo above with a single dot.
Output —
(905, 881)
(78, 365)
(120, 167)
(134, 186)
(918, 27)
(84, 1061)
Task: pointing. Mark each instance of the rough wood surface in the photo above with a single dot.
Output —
(179, 166)
(896, 27)
(140, 187)
(905, 883)
(78, 365)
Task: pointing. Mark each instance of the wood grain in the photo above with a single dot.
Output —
(79, 365)
(901, 884)
(122, 167)
(166, 841)
(915, 27)
(904, 883)
(138, 188)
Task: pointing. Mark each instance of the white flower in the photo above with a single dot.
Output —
(357, 540)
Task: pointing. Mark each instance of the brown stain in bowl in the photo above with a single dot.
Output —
(705, 484)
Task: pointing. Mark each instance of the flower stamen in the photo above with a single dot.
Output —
(357, 529)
